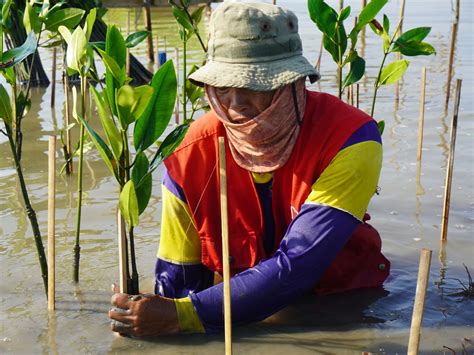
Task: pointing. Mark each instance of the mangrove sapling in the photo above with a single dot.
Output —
(79, 58)
(409, 44)
(189, 25)
(335, 38)
(14, 108)
(149, 109)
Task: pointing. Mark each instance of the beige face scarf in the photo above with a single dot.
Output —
(264, 143)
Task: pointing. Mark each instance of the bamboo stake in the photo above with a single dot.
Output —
(449, 172)
(421, 285)
(274, 2)
(147, 16)
(457, 11)
(122, 243)
(51, 223)
(454, 32)
(158, 50)
(53, 79)
(225, 247)
(422, 113)
(176, 110)
(318, 62)
(341, 4)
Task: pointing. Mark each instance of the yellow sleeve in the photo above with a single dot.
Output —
(188, 318)
(179, 240)
(350, 180)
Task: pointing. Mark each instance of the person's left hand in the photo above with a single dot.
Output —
(143, 316)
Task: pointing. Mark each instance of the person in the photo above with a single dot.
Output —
(302, 167)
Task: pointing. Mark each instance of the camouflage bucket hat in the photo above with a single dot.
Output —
(253, 46)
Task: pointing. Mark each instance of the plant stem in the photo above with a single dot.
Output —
(376, 84)
(135, 283)
(30, 212)
(183, 88)
(196, 31)
(77, 247)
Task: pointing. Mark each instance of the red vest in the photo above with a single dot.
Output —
(327, 124)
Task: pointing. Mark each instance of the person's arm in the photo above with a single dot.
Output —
(335, 206)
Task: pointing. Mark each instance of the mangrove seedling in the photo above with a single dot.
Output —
(409, 44)
(335, 38)
(148, 109)
(188, 26)
(79, 58)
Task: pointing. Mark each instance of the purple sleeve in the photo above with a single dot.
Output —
(311, 243)
(178, 281)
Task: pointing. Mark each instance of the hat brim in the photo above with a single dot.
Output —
(263, 76)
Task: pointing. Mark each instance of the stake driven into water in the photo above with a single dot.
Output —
(422, 113)
(454, 32)
(420, 295)
(123, 263)
(225, 247)
(449, 171)
(53, 79)
(147, 17)
(51, 223)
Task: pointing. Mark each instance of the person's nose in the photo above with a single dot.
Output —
(237, 100)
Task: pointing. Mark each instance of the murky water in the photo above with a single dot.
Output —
(407, 213)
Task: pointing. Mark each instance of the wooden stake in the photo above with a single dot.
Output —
(51, 223)
(422, 113)
(457, 11)
(176, 110)
(454, 32)
(449, 172)
(158, 50)
(53, 79)
(147, 17)
(398, 55)
(421, 285)
(225, 247)
(341, 4)
(318, 62)
(122, 243)
(274, 2)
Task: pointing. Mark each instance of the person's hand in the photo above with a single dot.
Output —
(143, 316)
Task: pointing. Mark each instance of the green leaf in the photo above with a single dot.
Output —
(139, 171)
(112, 67)
(156, 117)
(116, 49)
(102, 147)
(170, 143)
(356, 71)
(393, 72)
(68, 17)
(331, 48)
(386, 24)
(197, 14)
(132, 102)
(344, 14)
(31, 20)
(414, 48)
(369, 12)
(341, 38)
(6, 10)
(323, 15)
(136, 38)
(193, 92)
(129, 204)
(17, 55)
(5, 107)
(111, 131)
(65, 33)
(415, 34)
(376, 27)
(76, 54)
(90, 19)
(98, 45)
(182, 19)
(381, 126)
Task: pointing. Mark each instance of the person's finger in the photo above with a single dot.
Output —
(115, 288)
(122, 328)
(120, 300)
(119, 314)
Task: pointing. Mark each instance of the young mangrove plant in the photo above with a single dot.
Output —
(79, 58)
(188, 26)
(409, 44)
(147, 109)
(335, 38)
(37, 18)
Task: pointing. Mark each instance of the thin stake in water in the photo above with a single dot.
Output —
(53, 79)
(449, 171)
(419, 305)
(422, 113)
(454, 32)
(147, 17)
(225, 247)
(51, 223)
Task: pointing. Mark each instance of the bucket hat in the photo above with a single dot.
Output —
(253, 46)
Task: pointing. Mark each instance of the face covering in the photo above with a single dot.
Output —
(264, 143)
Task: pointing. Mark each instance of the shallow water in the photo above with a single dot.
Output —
(407, 213)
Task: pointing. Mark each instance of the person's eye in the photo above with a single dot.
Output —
(222, 91)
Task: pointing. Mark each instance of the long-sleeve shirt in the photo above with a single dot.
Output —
(325, 222)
